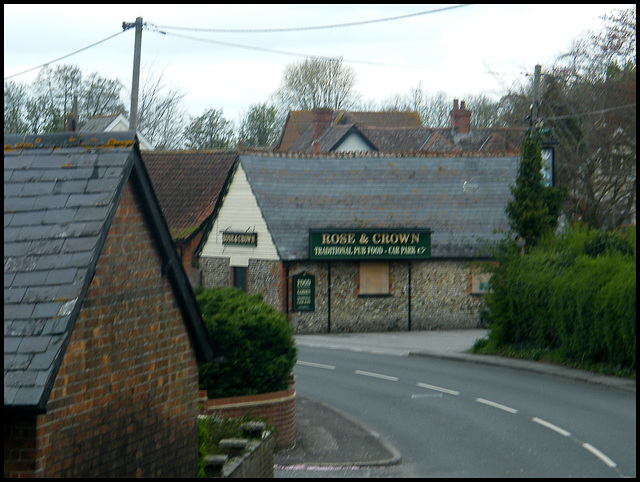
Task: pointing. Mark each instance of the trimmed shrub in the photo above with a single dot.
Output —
(573, 294)
(252, 342)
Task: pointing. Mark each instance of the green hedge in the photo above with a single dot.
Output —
(252, 342)
(574, 294)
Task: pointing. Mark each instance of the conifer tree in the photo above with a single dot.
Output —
(535, 208)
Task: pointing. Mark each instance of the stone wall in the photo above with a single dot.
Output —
(440, 295)
(215, 272)
(440, 298)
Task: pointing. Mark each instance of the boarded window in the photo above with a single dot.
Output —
(374, 278)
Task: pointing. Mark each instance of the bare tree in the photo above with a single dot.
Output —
(590, 107)
(55, 89)
(101, 96)
(318, 83)
(161, 115)
(15, 103)
(433, 108)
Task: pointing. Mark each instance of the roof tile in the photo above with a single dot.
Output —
(377, 192)
(188, 185)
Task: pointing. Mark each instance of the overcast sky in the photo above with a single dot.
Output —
(466, 50)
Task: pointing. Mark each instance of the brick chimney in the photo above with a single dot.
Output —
(322, 118)
(460, 118)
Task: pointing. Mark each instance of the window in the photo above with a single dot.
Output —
(480, 281)
(374, 278)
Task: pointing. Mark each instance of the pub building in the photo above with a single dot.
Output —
(343, 243)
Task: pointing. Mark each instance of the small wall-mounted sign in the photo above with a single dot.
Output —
(304, 288)
(239, 239)
(547, 167)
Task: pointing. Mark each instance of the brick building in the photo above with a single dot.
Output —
(189, 186)
(102, 331)
(325, 131)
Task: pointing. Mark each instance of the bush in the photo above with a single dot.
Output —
(252, 342)
(572, 295)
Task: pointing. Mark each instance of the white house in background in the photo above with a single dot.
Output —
(114, 123)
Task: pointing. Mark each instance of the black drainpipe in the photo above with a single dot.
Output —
(328, 296)
(286, 288)
(409, 296)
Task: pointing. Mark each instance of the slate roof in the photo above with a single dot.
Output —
(299, 123)
(461, 199)
(100, 123)
(113, 123)
(60, 196)
(188, 185)
(414, 139)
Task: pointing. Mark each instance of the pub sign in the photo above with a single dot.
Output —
(369, 244)
(304, 287)
(239, 238)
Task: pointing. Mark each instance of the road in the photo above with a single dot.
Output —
(454, 419)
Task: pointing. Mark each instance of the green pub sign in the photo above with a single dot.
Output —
(370, 244)
(304, 287)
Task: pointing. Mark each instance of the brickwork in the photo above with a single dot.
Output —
(185, 251)
(277, 408)
(123, 403)
(19, 444)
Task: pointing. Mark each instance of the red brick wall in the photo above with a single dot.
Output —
(186, 250)
(19, 444)
(277, 408)
(124, 400)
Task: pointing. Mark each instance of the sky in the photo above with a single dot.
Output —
(455, 48)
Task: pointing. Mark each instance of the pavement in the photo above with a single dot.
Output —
(327, 438)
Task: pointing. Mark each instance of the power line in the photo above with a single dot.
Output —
(154, 28)
(64, 56)
(294, 29)
(593, 112)
(283, 52)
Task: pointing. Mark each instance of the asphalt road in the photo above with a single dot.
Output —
(454, 419)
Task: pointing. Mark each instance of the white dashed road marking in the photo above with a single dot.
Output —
(376, 375)
(438, 389)
(496, 405)
(599, 454)
(316, 365)
(551, 426)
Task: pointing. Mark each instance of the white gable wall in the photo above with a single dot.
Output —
(353, 142)
(240, 213)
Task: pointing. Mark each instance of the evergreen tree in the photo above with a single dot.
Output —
(535, 208)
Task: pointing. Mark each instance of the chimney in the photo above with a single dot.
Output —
(322, 118)
(72, 117)
(460, 118)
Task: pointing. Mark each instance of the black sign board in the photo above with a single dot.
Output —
(304, 287)
(240, 239)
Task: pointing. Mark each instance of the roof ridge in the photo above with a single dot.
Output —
(379, 154)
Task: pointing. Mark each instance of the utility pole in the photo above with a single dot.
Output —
(135, 81)
(536, 97)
